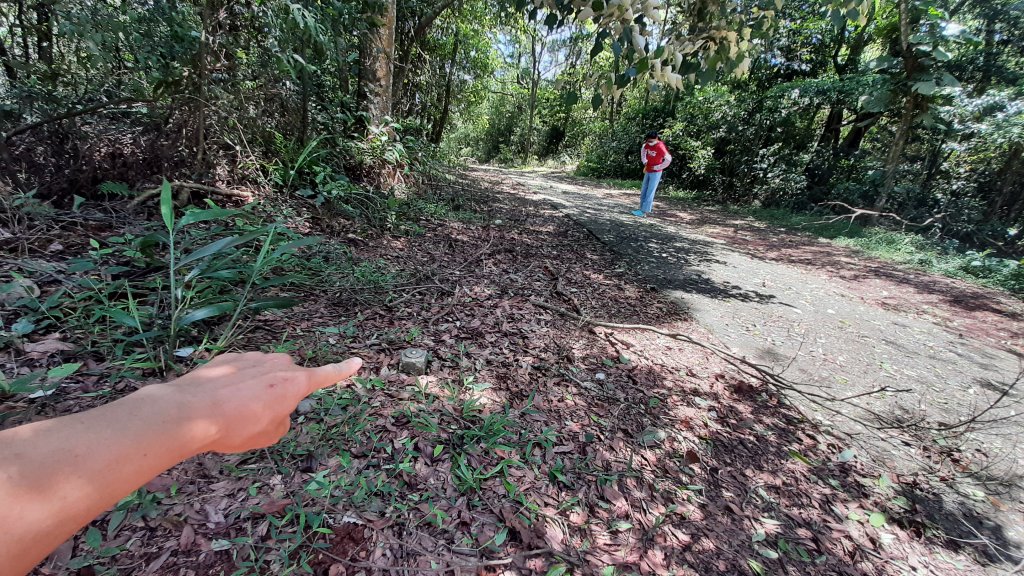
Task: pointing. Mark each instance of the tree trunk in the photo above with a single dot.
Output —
(9, 70)
(933, 165)
(536, 54)
(44, 33)
(1003, 203)
(892, 160)
(407, 47)
(26, 56)
(447, 102)
(833, 128)
(202, 83)
(304, 120)
(988, 59)
(911, 105)
(377, 54)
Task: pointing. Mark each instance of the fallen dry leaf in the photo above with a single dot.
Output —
(44, 348)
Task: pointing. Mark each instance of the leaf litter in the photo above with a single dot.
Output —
(518, 453)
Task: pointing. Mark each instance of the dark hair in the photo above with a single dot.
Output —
(651, 135)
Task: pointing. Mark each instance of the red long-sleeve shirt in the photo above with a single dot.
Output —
(655, 157)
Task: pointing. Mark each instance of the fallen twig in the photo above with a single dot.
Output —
(856, 212)
(153, 192)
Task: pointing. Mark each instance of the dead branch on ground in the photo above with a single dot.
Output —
(185, 186)
(857, 212)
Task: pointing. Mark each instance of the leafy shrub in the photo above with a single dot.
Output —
(173, 290)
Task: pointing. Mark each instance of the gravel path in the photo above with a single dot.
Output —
(829, 318)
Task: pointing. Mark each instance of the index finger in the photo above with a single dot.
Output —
(331, 374)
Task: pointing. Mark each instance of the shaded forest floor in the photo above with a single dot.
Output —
(535, 444)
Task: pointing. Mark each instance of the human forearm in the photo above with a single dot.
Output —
(58, 475)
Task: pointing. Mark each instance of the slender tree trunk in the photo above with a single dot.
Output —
(1002, 203)
(536, 54)
(911, 105)
(26, 56)
(377, 55)
(202, 83)
(892, 160)
(406, 48)
(446, 104)
(44, 33)
(9, 70)
(304, 120)
(832, 131)
(988, 58)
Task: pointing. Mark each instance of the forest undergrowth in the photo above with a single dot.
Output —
(533, 444)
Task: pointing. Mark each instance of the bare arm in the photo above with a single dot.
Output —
(57, 475)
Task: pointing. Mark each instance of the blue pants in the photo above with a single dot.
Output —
(647, 190)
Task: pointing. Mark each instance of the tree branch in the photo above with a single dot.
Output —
(146, 195)
(69, 114)
(856, 212)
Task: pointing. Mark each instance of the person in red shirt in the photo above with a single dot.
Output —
(655, 157)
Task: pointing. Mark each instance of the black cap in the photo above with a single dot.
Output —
(651, 135)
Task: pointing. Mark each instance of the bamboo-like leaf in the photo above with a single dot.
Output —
(217, 246)
(121, 317)
(63, 371)
(205, 215)
(206, 312)
(167, 205)
(289, 247)
(272, 303)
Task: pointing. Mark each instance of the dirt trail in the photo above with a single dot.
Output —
(824, 315)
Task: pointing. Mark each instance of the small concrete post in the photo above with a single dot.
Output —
(413, 362)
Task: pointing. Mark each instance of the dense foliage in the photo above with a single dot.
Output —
(913, 107)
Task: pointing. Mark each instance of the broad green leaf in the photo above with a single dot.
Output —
(847, 455)
(63, 371)
(877, 519)
(194, 216)
(926, 87)
(206, 312)
(22, 327)
(768, 553)
(756, 567)
(219, 545)
(438, 449)
(501, 536)
(596, 101)
(167, 205)
(116, 518)
(940, 54)
(608, 571)
(853, 515)
(93, 538)
(758, 536)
